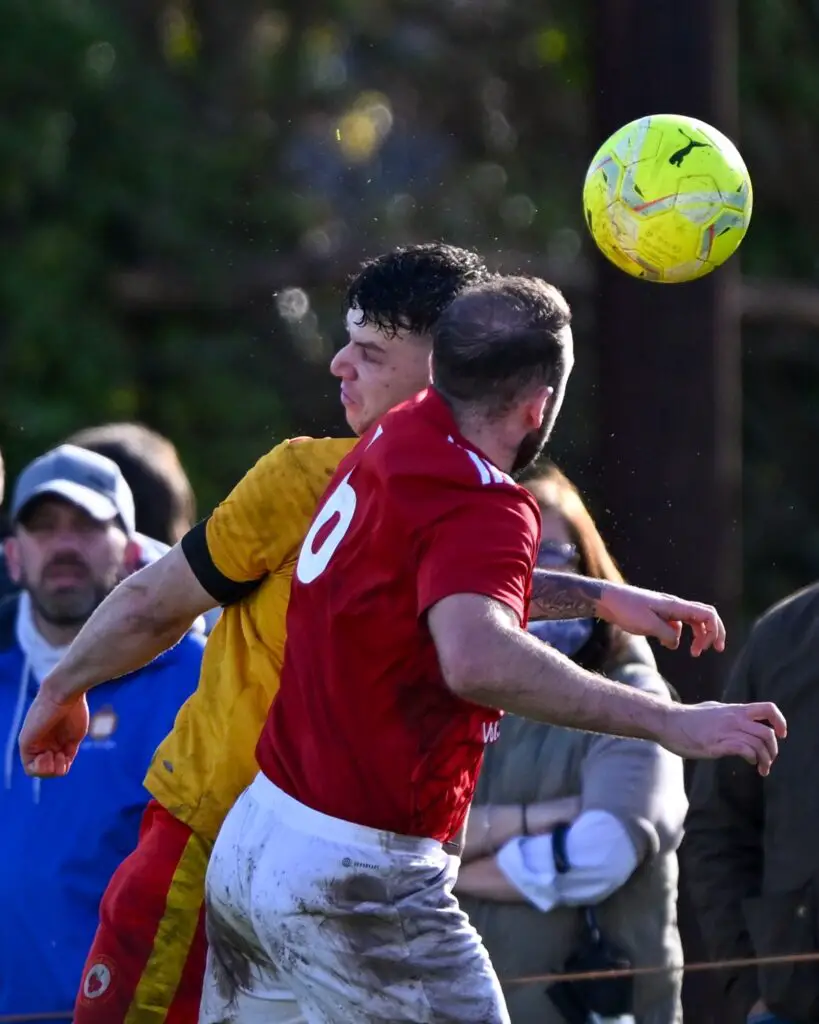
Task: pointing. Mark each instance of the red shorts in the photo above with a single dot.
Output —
(147, 961)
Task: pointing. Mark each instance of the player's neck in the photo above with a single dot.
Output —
(485, 437)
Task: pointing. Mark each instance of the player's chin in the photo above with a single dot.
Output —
(356, 420)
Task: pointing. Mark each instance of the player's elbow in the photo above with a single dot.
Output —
(460, 670)
(138, 603)
(465, 657)
(463, 636)
(146, 607)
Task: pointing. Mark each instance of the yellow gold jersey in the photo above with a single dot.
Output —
(243, 555)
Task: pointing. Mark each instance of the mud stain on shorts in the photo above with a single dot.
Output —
(396, 943)
(234, 957)
(361, 910)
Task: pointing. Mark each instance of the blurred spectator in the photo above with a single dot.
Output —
(164, 502)
(753, 865)
(72, 516)
(163, 496)
(564, 821)
(6, 585)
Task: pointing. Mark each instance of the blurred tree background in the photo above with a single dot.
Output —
(185, 187)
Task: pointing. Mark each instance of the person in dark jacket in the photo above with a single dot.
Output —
(72, 540)
(751, 844)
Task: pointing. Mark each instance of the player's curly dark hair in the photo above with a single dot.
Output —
(409, 287)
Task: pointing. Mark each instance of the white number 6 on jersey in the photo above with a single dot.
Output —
(312, 562)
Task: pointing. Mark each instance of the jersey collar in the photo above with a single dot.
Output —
(436, 410)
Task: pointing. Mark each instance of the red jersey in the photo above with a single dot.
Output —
(364, 727)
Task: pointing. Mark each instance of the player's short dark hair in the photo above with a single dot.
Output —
(497, 339)
(163, 496)
(407, 289)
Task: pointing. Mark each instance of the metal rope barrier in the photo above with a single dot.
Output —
(641, 972)
(547, 979)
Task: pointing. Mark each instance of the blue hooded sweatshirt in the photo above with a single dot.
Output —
(61, 839)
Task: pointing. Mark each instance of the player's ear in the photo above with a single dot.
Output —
(538, 406)
(11, 549)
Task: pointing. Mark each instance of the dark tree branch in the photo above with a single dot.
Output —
(150, 290)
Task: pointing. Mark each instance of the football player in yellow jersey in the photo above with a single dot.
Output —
(148, 958)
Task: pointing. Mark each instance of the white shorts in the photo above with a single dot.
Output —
(360, 925)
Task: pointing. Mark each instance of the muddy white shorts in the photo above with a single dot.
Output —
(360, 925)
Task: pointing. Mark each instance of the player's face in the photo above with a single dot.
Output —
(67, 561)
(377, 371)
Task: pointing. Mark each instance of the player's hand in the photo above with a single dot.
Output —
(52, 733)
(711, 729)
(646, 613)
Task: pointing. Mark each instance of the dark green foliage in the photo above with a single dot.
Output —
(168, 173)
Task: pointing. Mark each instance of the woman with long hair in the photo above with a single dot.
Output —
(570, 856)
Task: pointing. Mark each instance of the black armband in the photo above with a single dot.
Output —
(221, 588)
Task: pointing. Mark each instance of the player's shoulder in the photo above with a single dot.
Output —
(416, 452)
(307, 460)
(319, 456)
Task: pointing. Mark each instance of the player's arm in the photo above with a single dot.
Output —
(488, 659)
(561, 595)
(218, 562)
(146, 614)
(474, 550)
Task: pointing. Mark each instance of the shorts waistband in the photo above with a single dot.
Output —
(305, 819)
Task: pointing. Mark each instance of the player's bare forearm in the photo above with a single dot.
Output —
(145, 615)
(633, 609)
(121, 636)
(564, 595)
(487, 659)
(533, 680)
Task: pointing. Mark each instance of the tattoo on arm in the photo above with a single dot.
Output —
(562, 595)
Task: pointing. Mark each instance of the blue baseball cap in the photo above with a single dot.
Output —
(90, 481)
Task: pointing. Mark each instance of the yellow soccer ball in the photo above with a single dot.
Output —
(667, 198)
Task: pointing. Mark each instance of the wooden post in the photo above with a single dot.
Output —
(669, 358)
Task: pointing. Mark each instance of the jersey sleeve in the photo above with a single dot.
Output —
(480, 540)
(263, 520)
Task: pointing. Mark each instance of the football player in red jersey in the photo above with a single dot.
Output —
(406, 637)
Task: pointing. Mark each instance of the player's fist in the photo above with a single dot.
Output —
(52, 733)
(710, 730)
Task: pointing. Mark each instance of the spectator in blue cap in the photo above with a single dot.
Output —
(72, 540)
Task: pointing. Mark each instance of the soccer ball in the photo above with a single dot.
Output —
(667, 198)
